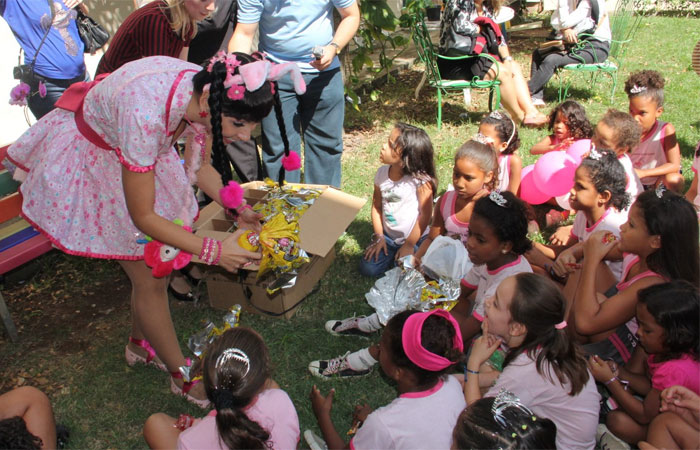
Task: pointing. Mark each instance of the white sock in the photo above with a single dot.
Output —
(369, 324)
(361, 360)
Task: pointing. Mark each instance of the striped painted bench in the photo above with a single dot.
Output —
(19, 242)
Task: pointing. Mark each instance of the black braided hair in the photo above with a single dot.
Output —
(253, 107)
(283, 131)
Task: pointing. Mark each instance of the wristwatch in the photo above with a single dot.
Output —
(337, 47)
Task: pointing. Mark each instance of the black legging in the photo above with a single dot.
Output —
(544, 63)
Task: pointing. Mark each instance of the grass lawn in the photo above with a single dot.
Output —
(73, 314)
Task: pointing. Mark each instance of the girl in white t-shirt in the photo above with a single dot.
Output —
(251, 411)
(417, 350)
(496, 244)
(544, 367)
(403, 198)
(601, 202)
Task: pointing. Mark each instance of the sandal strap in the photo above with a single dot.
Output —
(177, 374)
(144, 344)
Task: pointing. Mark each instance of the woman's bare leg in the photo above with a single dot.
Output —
(34, 407)
(522, 91)
(509, 93)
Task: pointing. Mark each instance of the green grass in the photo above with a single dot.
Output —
(105, 403)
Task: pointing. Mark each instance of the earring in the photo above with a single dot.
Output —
(504, 251)
(203, 114)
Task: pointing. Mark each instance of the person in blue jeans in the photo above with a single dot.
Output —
(289, 31)
(404, 188)
(59, 61)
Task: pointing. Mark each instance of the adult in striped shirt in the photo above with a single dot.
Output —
(161, 28)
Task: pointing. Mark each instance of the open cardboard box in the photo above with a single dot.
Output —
(319, 230)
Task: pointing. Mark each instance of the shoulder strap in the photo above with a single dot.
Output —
(53, 14)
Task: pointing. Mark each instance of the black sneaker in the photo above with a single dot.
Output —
(336, 367)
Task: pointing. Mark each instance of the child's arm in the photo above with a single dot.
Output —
(378, 243)
(322, 409)
(673, 156)
(591, 316)
(567, 259)
(641, 412)
(425, 206)
(693, 190)
(544, 146)
(635, 372)
(481, 351)
(437, 228)
(515, 167)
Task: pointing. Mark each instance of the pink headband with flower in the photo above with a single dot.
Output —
(412, 345)
(252, 75)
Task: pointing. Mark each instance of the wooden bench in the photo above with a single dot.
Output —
(19, 242)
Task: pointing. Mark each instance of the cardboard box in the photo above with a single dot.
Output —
(319, 230)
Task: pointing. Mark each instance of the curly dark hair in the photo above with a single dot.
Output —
(437, 337)
(675, 220)
(506, 129)
(576, 119)
(676, 307)
(607, 174)
(627, 131)
(509, 222)
(14, 434)
(477, 428)
(231, 385)
(651, 83)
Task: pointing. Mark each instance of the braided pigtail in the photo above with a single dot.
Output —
(283, 134)
(217, 92)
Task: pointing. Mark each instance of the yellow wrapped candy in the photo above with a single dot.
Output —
(279, 241)
(250, 240)
(433, 292)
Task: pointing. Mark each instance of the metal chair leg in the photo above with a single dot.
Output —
(439, 111)
(7, 320)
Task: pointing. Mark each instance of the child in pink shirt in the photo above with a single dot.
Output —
(251, 411)
(668, 355)
(657, 158)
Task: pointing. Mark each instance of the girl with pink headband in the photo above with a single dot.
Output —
(101, 178)
(544, 367)
(417, 350)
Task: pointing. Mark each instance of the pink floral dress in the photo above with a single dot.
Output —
(73, 191)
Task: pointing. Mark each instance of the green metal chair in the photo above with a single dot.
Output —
(428, 56)
(623, 25)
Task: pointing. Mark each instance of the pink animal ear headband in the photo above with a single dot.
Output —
(251, 76)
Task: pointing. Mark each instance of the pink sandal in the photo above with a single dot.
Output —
(134, 358)
(186, 386)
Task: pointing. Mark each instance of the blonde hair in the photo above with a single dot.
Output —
(180, 21)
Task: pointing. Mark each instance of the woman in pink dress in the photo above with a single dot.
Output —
(102, 174)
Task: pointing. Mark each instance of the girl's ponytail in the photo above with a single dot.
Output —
(238, 431)
(540, 306)
(236, 368)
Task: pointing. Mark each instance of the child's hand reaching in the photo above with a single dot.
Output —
(359, 416)
(564, 144)
(600, 369)
(405, 250)
(377, 245)
(321, 405)
(483, 348)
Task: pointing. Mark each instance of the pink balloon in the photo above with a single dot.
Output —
(528, 190)
(554, 173)
(578, 149)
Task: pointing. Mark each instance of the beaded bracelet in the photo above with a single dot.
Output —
(211, 251)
